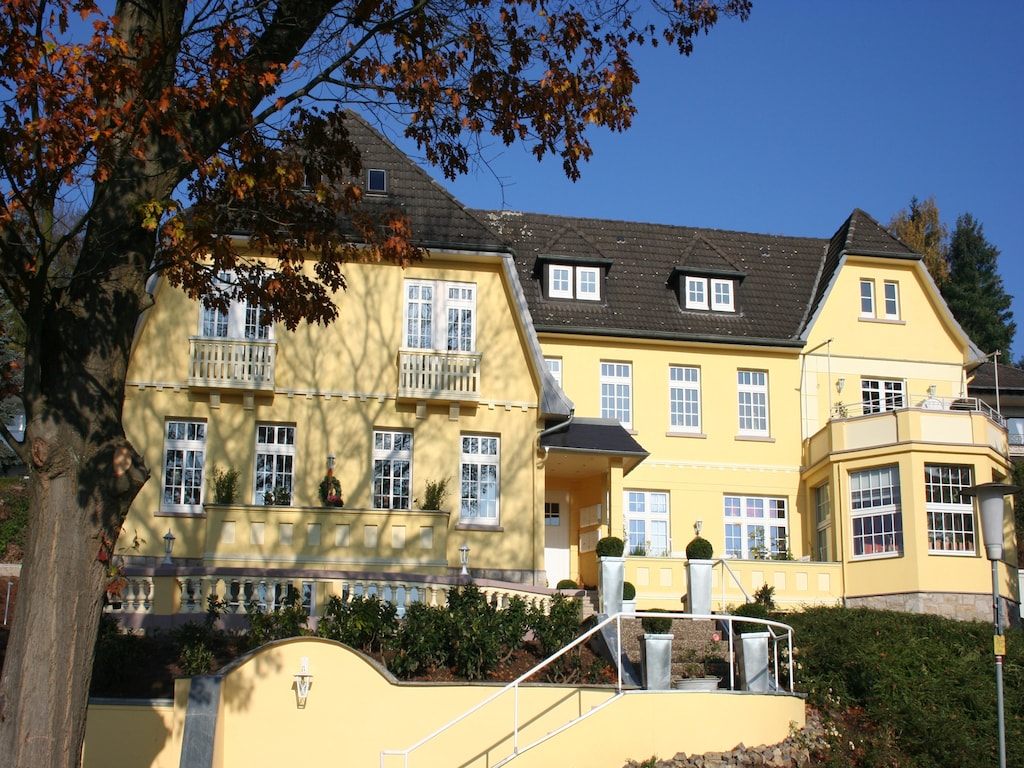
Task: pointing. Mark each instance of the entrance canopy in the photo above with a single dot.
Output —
(586, 447)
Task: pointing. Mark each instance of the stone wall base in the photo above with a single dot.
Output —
(953, 605)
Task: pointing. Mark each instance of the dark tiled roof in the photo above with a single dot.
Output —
(779, 277)
(436, 217)
(1011, 380)
(597, 435)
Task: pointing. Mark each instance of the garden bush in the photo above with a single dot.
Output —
(610, 546)
(656, 625)
(364, 622)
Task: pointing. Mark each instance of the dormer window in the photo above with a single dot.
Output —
(715, 291)
(377, 181)
(573, 281)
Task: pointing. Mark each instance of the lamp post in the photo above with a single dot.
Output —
(464, 559)
(168, 546)
(992, 510)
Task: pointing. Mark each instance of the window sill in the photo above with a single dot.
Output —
(180, 513)
(953, 552)
(693, 435)
(479, 527)
(755, 438)
(883, 320)
(877, 556)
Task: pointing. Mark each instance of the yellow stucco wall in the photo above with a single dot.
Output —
(336, 385)
(353, 713)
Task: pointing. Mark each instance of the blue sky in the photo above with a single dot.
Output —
(786, 123)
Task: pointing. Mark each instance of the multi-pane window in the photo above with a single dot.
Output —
(867, 298)
(455, 303)
(376, 181)
(566, 281)
(752, 392)
(879, 395)
(275, 462)
(184, 450)
(696, 293)
(875, 511)
(554, 365)
(823, 519)
(756, 527)
(478, 490)
(239, 321)
(684, 398)
(646, 523)
(392, 469)
(722, 296)
(892, 300)
(950, 515)
(617, 392)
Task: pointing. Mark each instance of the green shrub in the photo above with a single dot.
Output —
(116, 658)
(656, 625)
(753, 611)
(365, 622)
(420, 643)
(567, 584)
(288, 620)
(559, 626)
(907, 690)
(225, 485)
(436, 494)
(196, 659)
(628, 591)
(765, 595)
(610, 546)
(699, 549)
(474, 633)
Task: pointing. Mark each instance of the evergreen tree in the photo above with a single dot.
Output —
(974, 291)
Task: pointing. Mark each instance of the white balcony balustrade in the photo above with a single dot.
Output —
(431, 375)
(231, 363)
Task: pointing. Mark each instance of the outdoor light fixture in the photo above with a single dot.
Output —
(302, 682)
(840, 383)
(932, 390)
(698, 524)
(992, 510)
(330, 461)
(464, 559)
(168, 546)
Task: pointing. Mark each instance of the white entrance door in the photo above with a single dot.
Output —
(556, 536)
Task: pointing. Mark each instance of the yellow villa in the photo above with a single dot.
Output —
(801, 402)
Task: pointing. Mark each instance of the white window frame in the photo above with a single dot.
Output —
(756, 526)
(882, 395)
(876, 514)
(722, 295)
(240, 321)
(823, 520)
(554, 366)
(443, 310)
(891, 299)
(617, 392)
(392, 469)
(560, 281)
(275, 461)
(696, 292)
(951, 529)
(752, 400)
(479, 479)
(183, 467)
(684, 399)
(867, 297)
(646, 523)
(376, 181)
(588, 283)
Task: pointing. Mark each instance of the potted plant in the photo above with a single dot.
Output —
(610, 574)
(699, 566)
(753, 647)
(694, 666)
(436, 494)
(656, 652)
(628, 599)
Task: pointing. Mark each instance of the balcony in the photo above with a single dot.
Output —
(431, 375)
(240, 364)
(964, 421)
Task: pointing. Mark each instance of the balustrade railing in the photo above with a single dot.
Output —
(236, 363)
(438, 375)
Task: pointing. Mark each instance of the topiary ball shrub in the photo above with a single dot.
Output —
(628, 591)
(754, 611)
(567, 584)
(610, 546)
(656, 625)
(699, 549)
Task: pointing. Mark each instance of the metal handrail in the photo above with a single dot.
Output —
(769, 625)
(736, 579)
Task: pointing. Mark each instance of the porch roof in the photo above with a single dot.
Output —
(588, 446)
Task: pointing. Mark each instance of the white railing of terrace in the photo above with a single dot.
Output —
(445, 375)
(239, 363)
(777, 633)
(240, 592)
(926, 402)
